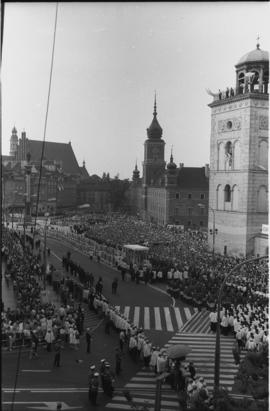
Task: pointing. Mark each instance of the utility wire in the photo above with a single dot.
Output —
(46, 120)
(40, 172)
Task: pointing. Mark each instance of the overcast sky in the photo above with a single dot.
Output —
(109, 60)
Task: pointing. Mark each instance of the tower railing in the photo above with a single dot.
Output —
(236, 91)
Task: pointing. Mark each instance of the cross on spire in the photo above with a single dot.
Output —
(258, 44)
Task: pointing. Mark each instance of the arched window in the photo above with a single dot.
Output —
(262, 200)
(220, 156)
(236, 155)
(219, 197)
(228, 155)
(235, 198)
(254, 81)
(227, 193)
(263, 154)
(241, 83)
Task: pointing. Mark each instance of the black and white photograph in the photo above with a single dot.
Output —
(134, 206)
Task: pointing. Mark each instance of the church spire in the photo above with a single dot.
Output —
(155, 105)
(154, 131)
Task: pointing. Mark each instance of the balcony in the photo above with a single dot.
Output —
(238, 92)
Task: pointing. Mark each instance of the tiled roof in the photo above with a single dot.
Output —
(84, 172)
(54, 151)
(189, 177)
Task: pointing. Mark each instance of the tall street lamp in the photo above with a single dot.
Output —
(45, 250)
(217, 349)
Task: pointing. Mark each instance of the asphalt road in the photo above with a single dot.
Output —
(40, 386)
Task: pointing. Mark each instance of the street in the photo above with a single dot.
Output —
(40, 385)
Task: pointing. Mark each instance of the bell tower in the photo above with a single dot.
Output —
(238, 186)
(154, 163)
(13, 143)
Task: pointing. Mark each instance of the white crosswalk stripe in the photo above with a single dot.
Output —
(146, 318)
(136, 316)
(203, 357)
(178, 317)
(157, 319)
(168, 319)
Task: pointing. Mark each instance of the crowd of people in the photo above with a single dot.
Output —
(179, 258)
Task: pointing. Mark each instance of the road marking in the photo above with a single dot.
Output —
(157, 318)
(178, 317)
(146, 318)
(168, 319)
(136, 316)
(126, 312)
(187, 312)
(36, 370)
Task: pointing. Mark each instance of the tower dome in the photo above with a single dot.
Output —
(171, 165)
(252, 72)
(154, 131)
(255, 56)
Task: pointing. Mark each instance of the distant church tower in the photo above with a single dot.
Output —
(13, 143)
(154, 163)
(238, 197)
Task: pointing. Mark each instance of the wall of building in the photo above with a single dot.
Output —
(239, 225)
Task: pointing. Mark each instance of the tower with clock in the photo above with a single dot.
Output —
(154, 163)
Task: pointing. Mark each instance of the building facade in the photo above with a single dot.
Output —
(167, 194)
(238, 197)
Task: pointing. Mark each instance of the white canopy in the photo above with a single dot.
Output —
(136, 247)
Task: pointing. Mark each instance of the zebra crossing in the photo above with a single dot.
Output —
(143, 390)
(203, 356)
(142, 386)
(169, 319)
(198, 323)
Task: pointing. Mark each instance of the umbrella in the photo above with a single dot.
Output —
(178, 351)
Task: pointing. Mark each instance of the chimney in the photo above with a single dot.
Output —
(23, 135)
(206, 170)
(181, 165)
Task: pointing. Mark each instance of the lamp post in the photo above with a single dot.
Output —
(217, 349)
(45, 250)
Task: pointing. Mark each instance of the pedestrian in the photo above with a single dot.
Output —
(88, 338)
(122, 339)
(102, 371)
(192, 370)
(93, 389)
(49, 338)
(118, 361)
(114, 286)
(57, 355)
(236, 352)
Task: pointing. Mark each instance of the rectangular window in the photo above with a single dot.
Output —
(189, 223)
(201, 223)
(202, 196)
(189, 195)
(189, 211)
(202, 211)
(177, 196)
